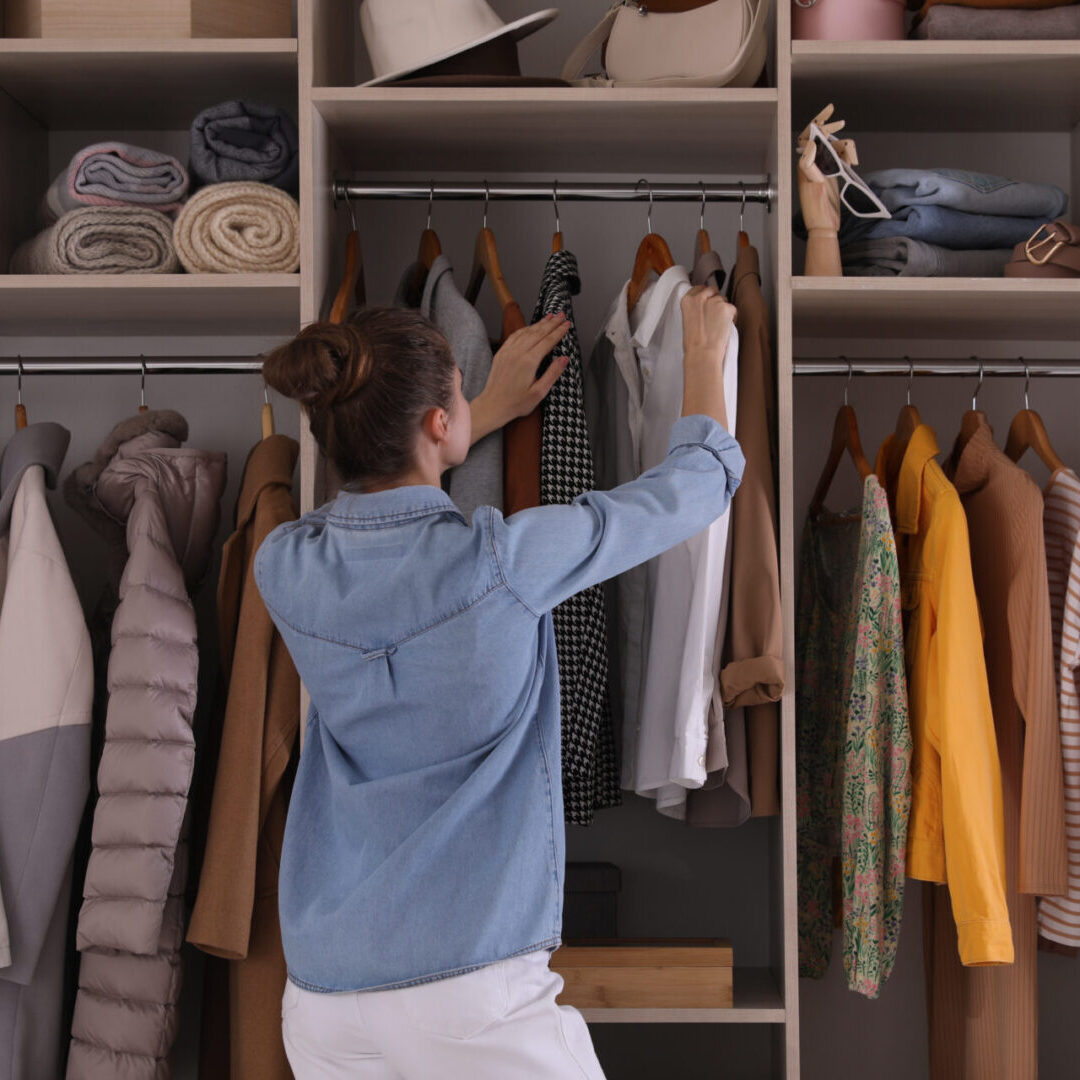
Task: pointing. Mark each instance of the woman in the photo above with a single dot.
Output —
(422, 871)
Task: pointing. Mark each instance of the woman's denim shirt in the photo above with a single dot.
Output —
(425, 835)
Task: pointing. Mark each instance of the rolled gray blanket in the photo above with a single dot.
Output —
(101, 240)
(950, 22)
(241, 140)
(900, 256)
(117, 174)
(239, 229)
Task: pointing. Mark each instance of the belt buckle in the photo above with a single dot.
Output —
(1033, 245)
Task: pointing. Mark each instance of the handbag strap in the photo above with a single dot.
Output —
(600, 33)
(1057, 243)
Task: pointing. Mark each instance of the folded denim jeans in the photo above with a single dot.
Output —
(974, 193)
(900, 256)
(946, 227)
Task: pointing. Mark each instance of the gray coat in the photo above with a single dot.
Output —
(479, 481)
(142, 488)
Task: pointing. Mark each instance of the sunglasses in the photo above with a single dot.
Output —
(854, 192)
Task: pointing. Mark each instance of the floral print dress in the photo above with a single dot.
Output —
(853, 743)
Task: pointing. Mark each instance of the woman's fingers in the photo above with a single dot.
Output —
(543, 385)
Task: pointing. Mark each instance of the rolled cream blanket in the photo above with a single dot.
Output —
(242, 140)
(117, 174)
(239, 228)
(101, 240)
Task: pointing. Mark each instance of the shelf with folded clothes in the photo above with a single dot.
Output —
(216, 197)
(543, 129)
(948, 308)
(143, 84)
(151, 305)
(941, 85)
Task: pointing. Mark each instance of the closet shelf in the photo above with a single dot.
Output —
(757, 1001)
(145, 84)
(643, 132)
(939, 85)
(907, 308)
(226, 305)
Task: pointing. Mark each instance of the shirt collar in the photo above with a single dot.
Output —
(909, 482)
(974, 460)
(746, 263)
(656, 303)
(394, 504)
(270, 464)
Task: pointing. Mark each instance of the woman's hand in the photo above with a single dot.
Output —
(513, 388)
(707, 322)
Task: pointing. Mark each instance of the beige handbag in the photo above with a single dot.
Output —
(685, 43)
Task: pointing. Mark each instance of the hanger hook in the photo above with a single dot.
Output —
(742, 205)
(850, 375)
(555, 200)
(430, 202)
(648, 187)
(19, 401)
(487, 199)
(142, 382)
(266, 393)
(910, 376)
(978, 386)
(1027, 383)
(703, 196)
(352, 212)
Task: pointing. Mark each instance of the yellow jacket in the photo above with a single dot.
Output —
(956, 834)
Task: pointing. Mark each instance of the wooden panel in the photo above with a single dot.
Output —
(941, 85)
(145, 85)
(228, 305)
(23, 175)
(333, 35)
(542, 131)
(757, 1001)
(951, 308)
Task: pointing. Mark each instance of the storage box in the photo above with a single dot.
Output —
(590, 901)
(689, 973)
(128, 19)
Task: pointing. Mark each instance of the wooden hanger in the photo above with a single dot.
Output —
(1028, 432)
(845, 438)
(20, 409)
(352, 281)
(556, 239)
(430, 249)
(486, 264)
(702, 243)
(267, 413)
(972, 420)
(906, 423)
(653, 256)
(743, 239)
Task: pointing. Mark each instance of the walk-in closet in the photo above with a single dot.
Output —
(602, 166)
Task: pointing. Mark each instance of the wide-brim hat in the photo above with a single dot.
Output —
(386, 26)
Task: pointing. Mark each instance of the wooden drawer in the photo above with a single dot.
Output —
(690, 973)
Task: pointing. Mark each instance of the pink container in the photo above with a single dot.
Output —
(848, 20)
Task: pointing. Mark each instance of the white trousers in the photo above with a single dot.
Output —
(497, 1023)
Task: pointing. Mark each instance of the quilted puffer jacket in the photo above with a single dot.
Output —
(159, 504)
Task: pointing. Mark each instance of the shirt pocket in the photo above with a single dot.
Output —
(460, 1007)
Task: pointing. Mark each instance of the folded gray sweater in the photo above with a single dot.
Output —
(951, 22)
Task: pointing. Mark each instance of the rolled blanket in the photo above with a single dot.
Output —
(900, 256)
(958, 189)
(950, 22)
(240, 140)
(117, 174)
(101, 240)
(239, 229)
(945, 226)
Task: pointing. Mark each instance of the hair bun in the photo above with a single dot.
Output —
(324, 365)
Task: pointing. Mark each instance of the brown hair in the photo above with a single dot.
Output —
(367, 385)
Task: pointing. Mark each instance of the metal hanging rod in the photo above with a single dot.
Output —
(535, 191)
(920, 368)
(132, 367)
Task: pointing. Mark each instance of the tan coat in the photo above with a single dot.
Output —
(753, 675)
(984, 1021)
(235, 914)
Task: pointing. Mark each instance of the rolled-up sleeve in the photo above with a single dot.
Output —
(549, 553)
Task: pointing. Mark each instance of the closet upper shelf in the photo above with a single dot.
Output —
(939, 85)
(144, 84)
(951, 308)
(641, 132)
(153, 305)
